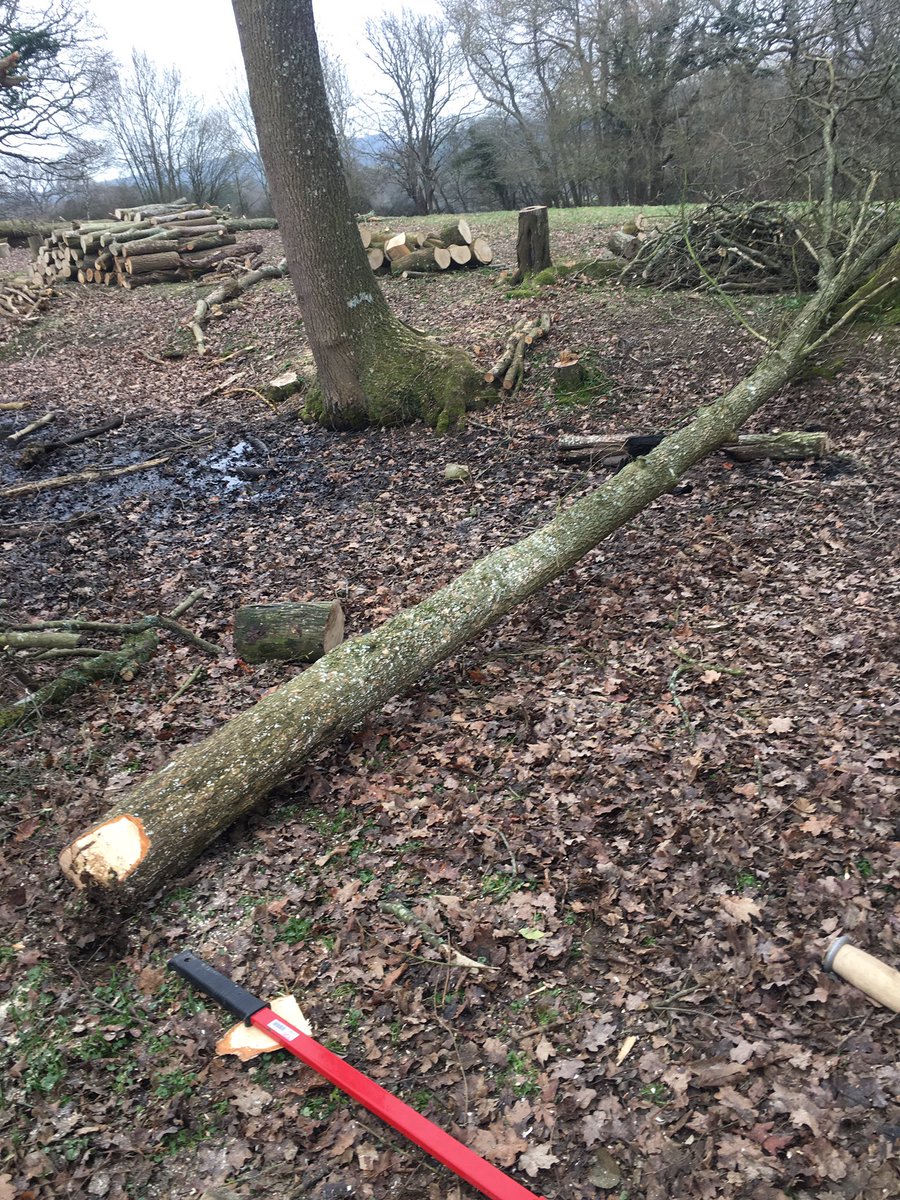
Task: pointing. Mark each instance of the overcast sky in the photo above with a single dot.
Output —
(199, 37)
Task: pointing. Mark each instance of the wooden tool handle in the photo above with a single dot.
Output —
(869, 974)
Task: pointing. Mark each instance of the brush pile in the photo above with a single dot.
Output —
(425, 253)
(23, 300)
(755, 248)
(157, 243)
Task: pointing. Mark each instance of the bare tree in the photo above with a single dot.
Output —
(50, 79)
(149, 126)
(423, 106)
(206, 163)
(166, 139)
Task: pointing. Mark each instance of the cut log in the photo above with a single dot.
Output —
(288, 632)
(243, 224)
(130, 282)
(398, 246)
(139, 212)
(456, 234)
(533, 242)
(420, 261)
(210, 241)
(199, 263)
(375, 256)
(148, 246)
(482, 252)
(365, 236)
(191, 214)
(153, 262)
(747, 447)
(460, 256)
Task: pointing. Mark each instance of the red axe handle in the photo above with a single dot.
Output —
(468, 1165)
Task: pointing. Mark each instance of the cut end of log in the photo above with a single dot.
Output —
(106, 854)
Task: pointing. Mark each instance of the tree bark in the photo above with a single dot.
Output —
(533, 243)
(746, 447)
(288, 632)
(363, 355)
(171, 816)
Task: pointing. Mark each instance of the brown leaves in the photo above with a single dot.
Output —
(538, 1158)
(740, 908)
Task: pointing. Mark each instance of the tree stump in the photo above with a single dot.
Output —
(568, 371)
(288, 632)
(533, 244)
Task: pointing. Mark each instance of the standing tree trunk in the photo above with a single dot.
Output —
(371, 368)
(533, 244)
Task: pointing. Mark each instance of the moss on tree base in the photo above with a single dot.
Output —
(416, 378)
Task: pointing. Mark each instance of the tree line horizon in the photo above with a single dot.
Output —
(494, 104)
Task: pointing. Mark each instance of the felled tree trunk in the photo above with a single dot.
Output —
(533, 243)
(288, 632)
(164, 823)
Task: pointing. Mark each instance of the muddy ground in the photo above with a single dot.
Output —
(646, 801)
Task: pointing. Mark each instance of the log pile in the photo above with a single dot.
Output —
(508, 371)
(737, 248)
(153, 244)
(410, 254)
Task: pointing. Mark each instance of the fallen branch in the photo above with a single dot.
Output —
(122, 629)
(113, 664)
(32, 428)
(37, 529)
(95, 474)
(229, 291)
(396, 908)
(746, 447)
(37, 450)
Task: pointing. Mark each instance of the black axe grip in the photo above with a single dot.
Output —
(216, 985)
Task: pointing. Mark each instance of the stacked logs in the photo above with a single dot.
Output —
(508, 372)
(153, 244)
(410, 254)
